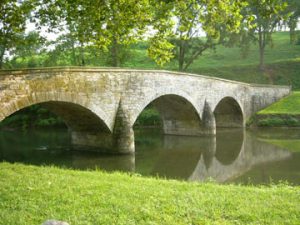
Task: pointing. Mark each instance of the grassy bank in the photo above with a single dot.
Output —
(285, 112)
(289, 105)
(30, 195)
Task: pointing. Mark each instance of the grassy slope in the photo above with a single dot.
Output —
(283, 63)
(30, 195)
(285, 112)
(289, 105)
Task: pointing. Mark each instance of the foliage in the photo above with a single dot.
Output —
(95, 197)
(277, 121)
(149, 117)
(294, 10)
(112, 26)
(107, 25)
(108, 29)
(13, 16)
(32, 117)
(267, 14)
(214, 18)
(28, 51)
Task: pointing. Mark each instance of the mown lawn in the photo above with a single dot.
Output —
(30, 195)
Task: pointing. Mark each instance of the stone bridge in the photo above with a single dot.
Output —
(100, 105)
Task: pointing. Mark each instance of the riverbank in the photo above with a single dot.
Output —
(284, 113)
(30, 195)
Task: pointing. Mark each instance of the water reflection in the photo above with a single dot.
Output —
(232, 156)
(243, 154)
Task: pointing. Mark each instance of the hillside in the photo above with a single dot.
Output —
(282, 63)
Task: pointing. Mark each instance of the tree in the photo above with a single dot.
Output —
(294, 10)
(107, 24)
(267, 15)
(14, 14)
(28, 49)
(212, 17)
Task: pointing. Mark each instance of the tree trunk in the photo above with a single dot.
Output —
(74, 61)
(261, 58)
(261, 40)
(2, 51)
(114, 53)
(293, 25)
(293, 35)
(195, 56)
(82, 55)
(181, 55)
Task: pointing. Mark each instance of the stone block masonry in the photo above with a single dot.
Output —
(101, 105)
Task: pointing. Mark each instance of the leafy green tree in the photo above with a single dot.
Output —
(13, 17)
(110, 25)
(267, 15)
(214, 18)
(178, 26)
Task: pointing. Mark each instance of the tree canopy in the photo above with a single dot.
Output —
(183, 29)
(13, 17)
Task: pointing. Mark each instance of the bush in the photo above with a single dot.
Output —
(149, 117)
(277, 121)
(271, 122)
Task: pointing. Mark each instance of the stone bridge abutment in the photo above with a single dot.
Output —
(100, 106)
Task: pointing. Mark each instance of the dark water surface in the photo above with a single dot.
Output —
(233, 156)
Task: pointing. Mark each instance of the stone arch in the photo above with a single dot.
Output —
(88, 127)
(178, 114)
(149, 98)
(228, 113)
(48, 99)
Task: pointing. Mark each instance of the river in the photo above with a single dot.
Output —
(261, 156)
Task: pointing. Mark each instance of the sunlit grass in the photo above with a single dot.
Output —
(289, 105)
(30, 195)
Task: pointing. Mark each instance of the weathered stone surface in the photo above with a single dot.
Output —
(103, 104)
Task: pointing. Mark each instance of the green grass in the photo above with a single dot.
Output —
(284, 113)
(282, 50)
(30, 195)
(288, 144)
(289, 105)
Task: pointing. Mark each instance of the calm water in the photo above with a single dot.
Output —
(232, 156)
